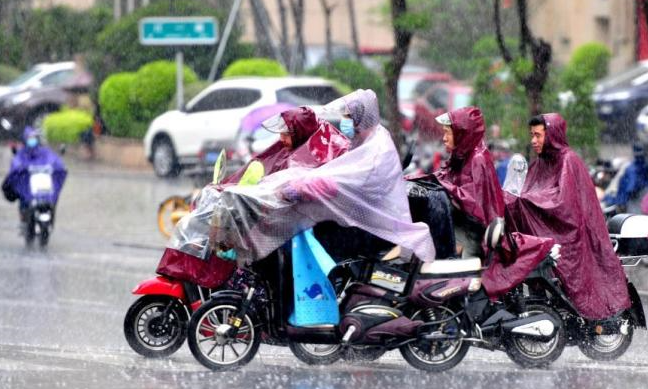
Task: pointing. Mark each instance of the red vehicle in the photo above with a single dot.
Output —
(437, 100)
(413, 85)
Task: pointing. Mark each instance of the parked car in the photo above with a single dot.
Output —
(411, 86)
(174, 139)
(619, 99)
(36, 93)
(437, 100)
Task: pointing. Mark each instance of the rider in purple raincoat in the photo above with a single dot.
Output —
(34, 155)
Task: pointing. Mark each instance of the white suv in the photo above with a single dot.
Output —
(175, 138)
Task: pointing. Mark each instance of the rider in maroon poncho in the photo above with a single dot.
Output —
(469, 177)
(558, 201)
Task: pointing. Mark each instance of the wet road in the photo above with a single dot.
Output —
(61, 310)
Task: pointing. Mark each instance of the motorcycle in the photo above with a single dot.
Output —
(37, 185)
(431, 312)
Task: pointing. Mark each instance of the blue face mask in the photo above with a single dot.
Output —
(346, 127)
(32, 142)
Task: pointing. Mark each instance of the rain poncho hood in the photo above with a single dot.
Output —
(469, 176)
(362, 188)
(315, 142)
(29, 160)
(557, 201)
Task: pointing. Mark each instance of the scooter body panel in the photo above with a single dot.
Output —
(161, 286)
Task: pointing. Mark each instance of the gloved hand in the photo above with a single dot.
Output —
(554, 254)
(309, 190)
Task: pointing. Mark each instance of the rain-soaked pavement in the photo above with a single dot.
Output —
(61, 310)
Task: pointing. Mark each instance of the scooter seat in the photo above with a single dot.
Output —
(452, 267)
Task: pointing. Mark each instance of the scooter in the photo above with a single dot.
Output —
(431, 312)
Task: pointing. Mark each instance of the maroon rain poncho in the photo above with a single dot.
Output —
(469, 177)
(315, 142)
(308, 151)
(558, 201)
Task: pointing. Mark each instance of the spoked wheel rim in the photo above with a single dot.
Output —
(440, 352)
(607, 343)
(167, 208)
(223, 350)
(536, 349)
(153, 331)
(320, 350)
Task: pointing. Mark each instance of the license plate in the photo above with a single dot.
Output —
(40, 183)
(606, 109)
(212, 156)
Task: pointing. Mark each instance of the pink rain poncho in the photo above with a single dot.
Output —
(362, 188)
(188, 255)
(558, 201)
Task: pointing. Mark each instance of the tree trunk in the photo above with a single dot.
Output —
(297, 7)
(327, 23)
(540, 55)
(354, 29)
(264, 43)
(283, 20)
(402, 39)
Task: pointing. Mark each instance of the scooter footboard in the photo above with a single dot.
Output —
(636, 310)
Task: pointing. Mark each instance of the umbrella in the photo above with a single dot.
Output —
(254, 118)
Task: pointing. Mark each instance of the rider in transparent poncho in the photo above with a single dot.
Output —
(362, 188)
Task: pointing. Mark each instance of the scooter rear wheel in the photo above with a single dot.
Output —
(606, 347)
(316, 354)
(147, 331)
(220, 352)
(436, 356)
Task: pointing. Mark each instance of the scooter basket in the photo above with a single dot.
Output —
(210, 273)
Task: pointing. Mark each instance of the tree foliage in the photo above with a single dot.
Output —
(587, 64)
(118, 49)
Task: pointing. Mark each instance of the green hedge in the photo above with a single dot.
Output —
(352, 74)
(262, 67)
(129, 101)
(154, 86)
(66, 125)
(116, 102)
(117, 47)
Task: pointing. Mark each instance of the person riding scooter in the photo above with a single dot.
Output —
(558, 201)
(469, 177)
(307, 141)
(19, 184)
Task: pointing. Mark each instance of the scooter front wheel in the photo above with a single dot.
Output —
(532, 353)
(156, 326)
(212, 340)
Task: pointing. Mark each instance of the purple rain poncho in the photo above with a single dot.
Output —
(362, 188)
(28, 160)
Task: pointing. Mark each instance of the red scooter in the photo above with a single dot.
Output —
(155, 325)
